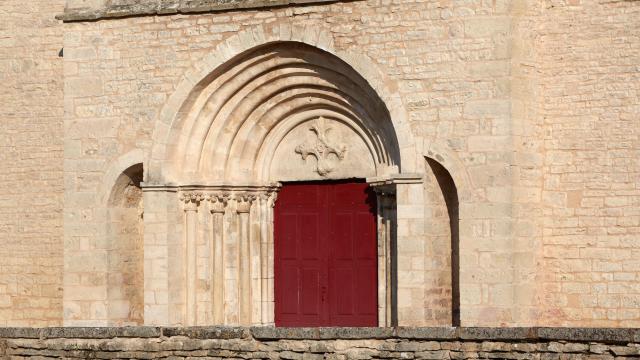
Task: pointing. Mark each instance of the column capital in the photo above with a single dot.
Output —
(191, 200)
(218, 201)
(385, 190)
(244, 201)
(273, 196)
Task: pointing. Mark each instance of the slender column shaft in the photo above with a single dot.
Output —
(388, 266)
(386, 254)
(190, 256)
(264, 208)
(269, 259)
(218, 204)
(392, 260)
(191, 266)
(382, 264)
(244, 260)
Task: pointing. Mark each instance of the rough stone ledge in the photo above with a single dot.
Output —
(604, 335)
(273, 333)
(172, 7)
(81, 332)
(510, 334)
(207, 332)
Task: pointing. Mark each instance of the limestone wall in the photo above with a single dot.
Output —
(532, 106)
(536, 123)
(590, 88)
(447, 66)
(317, 344)
(31, 163)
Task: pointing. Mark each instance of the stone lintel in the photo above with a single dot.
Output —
(111, 9)
(404, 178)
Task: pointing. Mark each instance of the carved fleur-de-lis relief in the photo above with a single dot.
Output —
(322, 147)
(191, 200)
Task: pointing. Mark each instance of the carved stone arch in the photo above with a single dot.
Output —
(115, 170)
(283, 94)
(266, 106)
(205, 77)
(453, 164)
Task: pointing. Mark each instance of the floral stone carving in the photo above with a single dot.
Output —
(322, 148)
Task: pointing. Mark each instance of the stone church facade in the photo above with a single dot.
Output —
(146, 146)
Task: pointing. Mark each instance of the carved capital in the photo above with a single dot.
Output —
(191, 200)
(218, 202)
(273, 196)
(262, 195)
(386, 191)
(244, 201)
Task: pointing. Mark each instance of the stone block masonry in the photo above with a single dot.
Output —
(319, 343)
(31, 163)
(539, 124)
(531, 106)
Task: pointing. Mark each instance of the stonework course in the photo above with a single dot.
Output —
(143, 144)
(324, 343)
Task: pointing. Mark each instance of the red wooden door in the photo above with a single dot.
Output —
(325, 255)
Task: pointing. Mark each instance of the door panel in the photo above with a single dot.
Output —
(325, 255)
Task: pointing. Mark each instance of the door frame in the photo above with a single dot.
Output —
(386, 223)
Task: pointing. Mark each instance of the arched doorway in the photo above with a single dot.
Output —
(278, 113)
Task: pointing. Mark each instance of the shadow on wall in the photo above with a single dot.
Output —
(125, 278)
(449, 193)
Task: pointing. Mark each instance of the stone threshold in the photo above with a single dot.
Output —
(174, 7)
(510, 334)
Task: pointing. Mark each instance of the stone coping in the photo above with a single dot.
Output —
(172, 7)
(530, 334)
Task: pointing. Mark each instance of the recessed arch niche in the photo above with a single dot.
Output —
(124, 232)
(283, 111)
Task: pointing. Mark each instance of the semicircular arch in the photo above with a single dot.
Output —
(219, 106)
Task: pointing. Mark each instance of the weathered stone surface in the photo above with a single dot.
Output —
(206, 332)
(473, 333)
(540, 138)
(100, 332)
(113, 9)
(631, 350)
(26, 333)
(266, 333)
(587, 334)
(340, 344)
(430, 333)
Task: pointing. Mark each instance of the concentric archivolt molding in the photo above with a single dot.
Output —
(225, 124)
